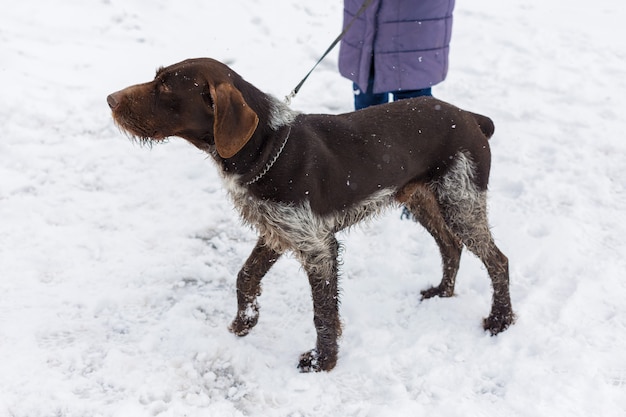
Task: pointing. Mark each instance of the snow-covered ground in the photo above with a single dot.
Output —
(117, 263)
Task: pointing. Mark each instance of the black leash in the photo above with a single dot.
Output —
(295, 91)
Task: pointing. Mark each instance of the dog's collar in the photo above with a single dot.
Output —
(271, 162)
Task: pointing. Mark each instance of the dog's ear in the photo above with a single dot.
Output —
(235, 122)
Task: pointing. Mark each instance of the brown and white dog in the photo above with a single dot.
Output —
(298, 179)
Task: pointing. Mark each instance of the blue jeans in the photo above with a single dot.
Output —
(363, 99)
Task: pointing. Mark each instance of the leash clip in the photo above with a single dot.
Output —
(290, 96)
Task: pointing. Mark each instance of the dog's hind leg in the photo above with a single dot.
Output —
(249, 287)
(321, 266)
(478, 239)
(425, 209)
(465, 211)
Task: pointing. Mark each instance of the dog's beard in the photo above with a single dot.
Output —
(145, 142)
(139, 135)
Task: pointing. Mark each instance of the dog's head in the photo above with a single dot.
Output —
(198, 99)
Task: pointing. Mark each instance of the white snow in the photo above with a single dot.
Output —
(118, 263)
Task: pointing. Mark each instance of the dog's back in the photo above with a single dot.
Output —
(405, 141)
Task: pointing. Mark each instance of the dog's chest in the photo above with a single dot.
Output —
(287, 226)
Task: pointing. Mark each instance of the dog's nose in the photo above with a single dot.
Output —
(113, 100)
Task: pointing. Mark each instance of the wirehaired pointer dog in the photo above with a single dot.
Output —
(298, 179)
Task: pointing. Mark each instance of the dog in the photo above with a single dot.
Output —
(298, 179)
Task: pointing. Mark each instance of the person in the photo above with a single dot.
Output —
(395, 47)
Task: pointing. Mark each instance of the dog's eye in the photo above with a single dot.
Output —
(164, 87)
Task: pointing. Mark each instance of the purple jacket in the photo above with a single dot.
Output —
(407, 41)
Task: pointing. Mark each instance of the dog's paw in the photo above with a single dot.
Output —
(437, 291)
(312, 361)
(245, 320)
(498, 321)
(240, 327)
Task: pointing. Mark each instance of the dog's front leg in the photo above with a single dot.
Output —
(321, 266)
(249, 287)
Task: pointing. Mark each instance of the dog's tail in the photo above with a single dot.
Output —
(486, 124)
